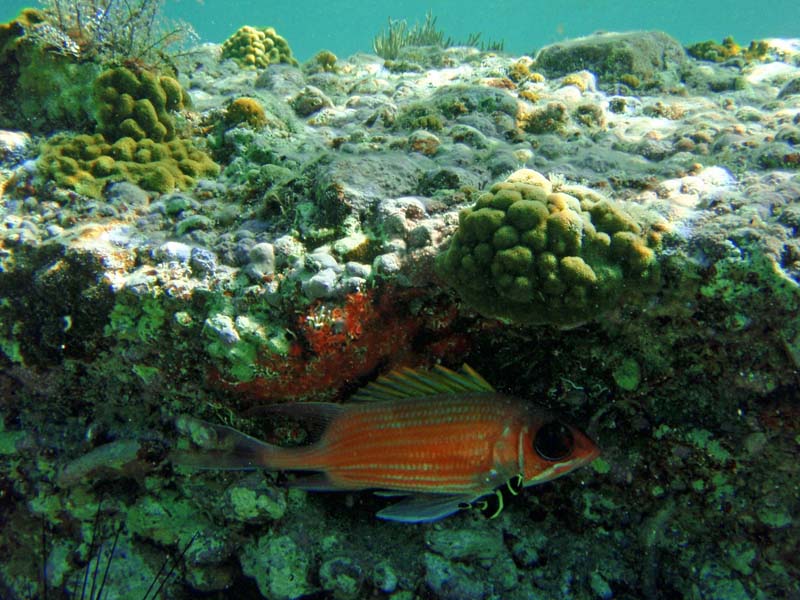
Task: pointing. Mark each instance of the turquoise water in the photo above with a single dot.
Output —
(348, 27)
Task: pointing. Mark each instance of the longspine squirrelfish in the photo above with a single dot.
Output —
(442, 439)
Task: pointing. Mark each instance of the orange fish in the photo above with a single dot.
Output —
(442, 439)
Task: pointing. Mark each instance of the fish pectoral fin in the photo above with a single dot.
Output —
(424, 508)
(391, 494)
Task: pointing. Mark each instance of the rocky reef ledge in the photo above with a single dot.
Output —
(610, 227)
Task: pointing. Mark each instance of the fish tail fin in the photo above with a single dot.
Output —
(221, 447)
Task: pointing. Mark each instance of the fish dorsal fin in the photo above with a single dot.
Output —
(414, 383)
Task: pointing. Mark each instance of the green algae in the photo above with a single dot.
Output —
(601, 466)
(248, 504)
(164, 520)
(628, 375)
(135, 319)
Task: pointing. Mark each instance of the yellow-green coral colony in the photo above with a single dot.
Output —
(86, 163)
(137, 139)
(324, 60)
(531, 255)
(257, 48)
(716, 52)
(137, 105)
(245, 111)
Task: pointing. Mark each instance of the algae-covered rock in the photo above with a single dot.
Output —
(713, 51)
(12, 32)
(279, 566)
(44, 89)
(466, 544)
(628, 375)
(55, 295)
(457, 100)
(532, 255)
(550, 118)
(342, 578)
(453, 580)
(349, 184)
(650, 56)
(53, 89)
(323, 61)
(309, 101)
(251, 500)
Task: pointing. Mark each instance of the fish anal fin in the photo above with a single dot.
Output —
(425, 508)
(213, 459)
(416, 383)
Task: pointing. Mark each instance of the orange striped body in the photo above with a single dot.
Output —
(442, 439)
(440, 444)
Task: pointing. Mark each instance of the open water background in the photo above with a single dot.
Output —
(347, 26)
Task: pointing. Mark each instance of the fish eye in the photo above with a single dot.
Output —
(553, 441)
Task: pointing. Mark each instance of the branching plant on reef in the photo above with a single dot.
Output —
(388, 43)
(111, 31)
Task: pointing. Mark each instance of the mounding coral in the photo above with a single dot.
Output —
(245, 111)
(51, 57)
(257, 48)
(532, 255)
(86, 163)
(137, 104)
(137, 139)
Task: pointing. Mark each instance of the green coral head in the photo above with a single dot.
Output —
(137, 104)
(86, 163)
(529, 254)
(257, 48)
(245, 111)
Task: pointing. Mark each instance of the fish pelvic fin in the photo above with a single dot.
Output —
(221, 447)
(415, 383)
(425, 508)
